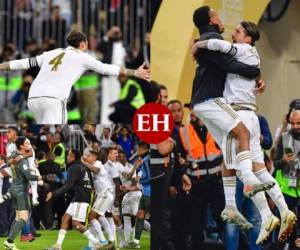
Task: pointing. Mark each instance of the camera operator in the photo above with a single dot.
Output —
(287, 164)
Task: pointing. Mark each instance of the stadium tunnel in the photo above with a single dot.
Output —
(278, 21)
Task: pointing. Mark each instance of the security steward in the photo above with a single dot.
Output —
(160, 172)
(59, 150)
(202, 159)
(130, 100)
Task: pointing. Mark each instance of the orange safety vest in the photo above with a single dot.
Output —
(198, 152)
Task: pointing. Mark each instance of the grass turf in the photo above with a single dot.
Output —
(73, 241)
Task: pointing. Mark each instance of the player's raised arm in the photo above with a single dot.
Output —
(22, 64)
(142, 72)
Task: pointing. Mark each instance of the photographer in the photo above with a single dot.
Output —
(287, 165)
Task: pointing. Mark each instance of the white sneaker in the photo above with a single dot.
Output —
(266, 228)
(232, 215)
(287, 225)
(55, 247)
(135, 244)
(9, 246)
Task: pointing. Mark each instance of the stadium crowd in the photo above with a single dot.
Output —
(112, 158)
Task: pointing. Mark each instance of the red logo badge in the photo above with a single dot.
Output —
(153, 123)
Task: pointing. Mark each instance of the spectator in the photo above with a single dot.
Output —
(164, 95)
(65, 7)
(294, 105)
(175, 106)
(113, 52)
(59, 150)
(105, 138)
(5, 207)
(124, 139)
(286, 162)
(55, 27)
(19, 101)
(10, 83)
(131, 99)
(266, 140)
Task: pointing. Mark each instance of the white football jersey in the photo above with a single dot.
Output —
(102, 179)
(60, 69)
(120, 168)
(238, 89)
(112, 171)
(127, 169)
(32, 158)
(10, 148)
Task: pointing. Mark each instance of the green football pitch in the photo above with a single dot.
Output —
(73, 241)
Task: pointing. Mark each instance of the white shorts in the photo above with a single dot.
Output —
(48, 110)
(130, 203)
(113, 209)
(250, 120)
(103, 203)
(218, 117)
(78, 211)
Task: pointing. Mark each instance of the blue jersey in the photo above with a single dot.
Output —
(145, 179)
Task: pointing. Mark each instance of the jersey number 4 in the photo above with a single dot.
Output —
(56, 61)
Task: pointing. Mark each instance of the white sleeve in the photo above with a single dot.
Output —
(98, 164)
(114, 172)
(39, 59)
(219, 45)
(105, 69)
(19, 64)
(26, 63)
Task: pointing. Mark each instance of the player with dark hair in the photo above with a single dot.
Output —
(59, 71)
(22, 174)
(80, 180)
(240, 93)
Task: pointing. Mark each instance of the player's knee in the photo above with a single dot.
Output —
(24, 217)
(140, 214)
(76, 224)
(240, 133)
(91, 216)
